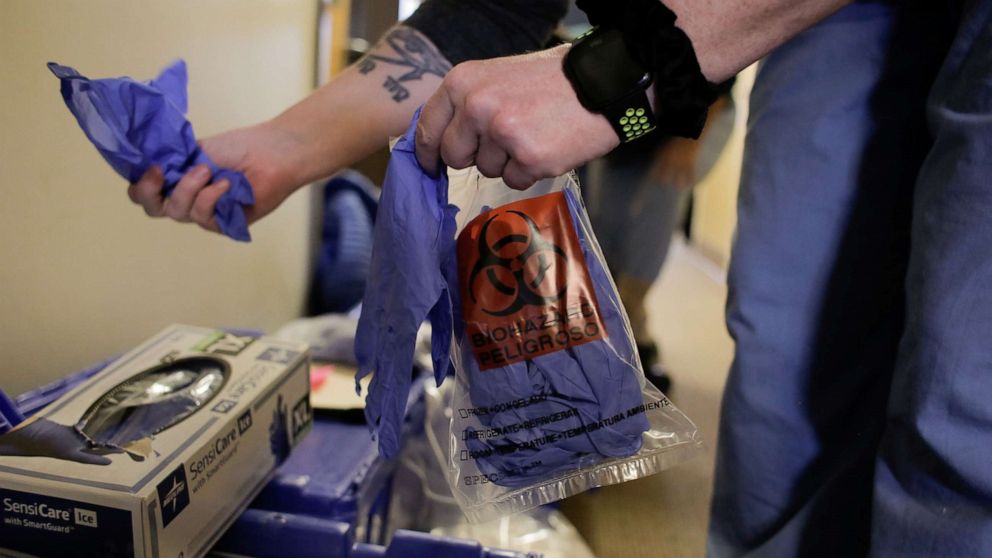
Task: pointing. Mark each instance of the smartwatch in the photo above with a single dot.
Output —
(610, 82)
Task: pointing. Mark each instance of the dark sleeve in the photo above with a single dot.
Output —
(477, 29)
(725, 87)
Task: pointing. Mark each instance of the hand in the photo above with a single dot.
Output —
(517, 118)
(44, 438)
(675, 163)
(263, 153)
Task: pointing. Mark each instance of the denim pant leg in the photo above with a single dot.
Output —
(933, 486)
(836, 136)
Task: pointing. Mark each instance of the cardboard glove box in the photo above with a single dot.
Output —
(158, 453)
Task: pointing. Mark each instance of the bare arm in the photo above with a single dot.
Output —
(508, 115)
(729, 35)
(355, 114)
(340, 123)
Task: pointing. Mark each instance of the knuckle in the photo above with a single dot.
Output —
(504, 127)
(488, 170)
(460, 77)
(423, 137)
(172, 211)
(518, 182)
(479, 104)
(198, 215)
(456, 161)
(528, 155)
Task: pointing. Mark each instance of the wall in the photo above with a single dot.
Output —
(83, 273)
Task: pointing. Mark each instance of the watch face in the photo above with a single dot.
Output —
(603, 68)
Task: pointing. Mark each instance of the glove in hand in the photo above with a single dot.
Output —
(135, 125)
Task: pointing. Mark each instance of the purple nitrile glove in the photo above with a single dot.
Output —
(44, 438)
(136, 125)
(414, 242)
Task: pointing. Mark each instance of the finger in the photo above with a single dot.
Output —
(180, 201)
(515, 176)
(491, 159)
(434, 118)
(88, 458)
(459, 143)
(147, 192)
(202, 212)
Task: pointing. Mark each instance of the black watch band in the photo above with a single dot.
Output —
(608, 81)
(631, 116)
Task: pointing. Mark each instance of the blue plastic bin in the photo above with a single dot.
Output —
(268, 534)
(414, 544)
(336, 474)
(325, 473)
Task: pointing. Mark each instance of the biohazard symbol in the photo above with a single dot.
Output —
(518, 263)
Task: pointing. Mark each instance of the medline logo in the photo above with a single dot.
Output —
(173, 495)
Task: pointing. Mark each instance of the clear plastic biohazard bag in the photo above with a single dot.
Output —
(550, 398)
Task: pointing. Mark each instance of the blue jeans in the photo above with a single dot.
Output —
(857, 416)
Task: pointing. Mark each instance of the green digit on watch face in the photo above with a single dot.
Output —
(623, 120)
(629, 112)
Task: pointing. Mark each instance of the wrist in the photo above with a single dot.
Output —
(610, 82)
(285, 148)
(681, 93)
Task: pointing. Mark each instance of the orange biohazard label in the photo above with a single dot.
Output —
(525, 286)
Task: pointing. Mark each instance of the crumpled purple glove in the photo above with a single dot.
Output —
(413, 243)
(44, 438)
(136, 125)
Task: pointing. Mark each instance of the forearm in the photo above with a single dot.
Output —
(729, 35)
(356, 112)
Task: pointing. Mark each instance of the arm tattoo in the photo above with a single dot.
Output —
(414, 55)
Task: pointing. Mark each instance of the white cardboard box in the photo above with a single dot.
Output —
(198, 475)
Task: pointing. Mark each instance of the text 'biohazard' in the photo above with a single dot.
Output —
(525, 286)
